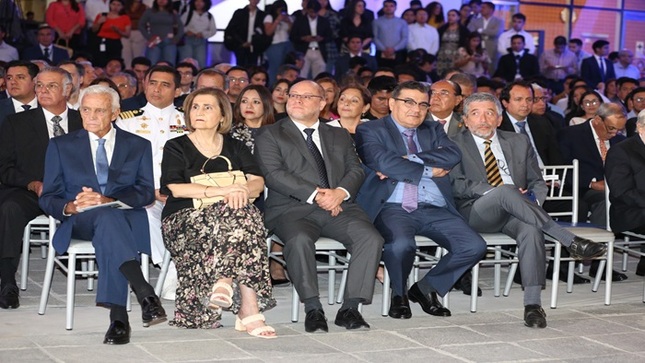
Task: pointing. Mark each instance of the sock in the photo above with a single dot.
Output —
(351, 303)
(8, 268)
(312, 303)
(132, 272)
(532, 295)
(425, 287)
(562, 235)
(119, 313)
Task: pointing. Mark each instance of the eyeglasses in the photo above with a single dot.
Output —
(240, 80)
(50, 86)
(590, 103)
(123, 85)
(443, 93)
(639, 99)
(294, 96)
(538, 99)
(423, 106)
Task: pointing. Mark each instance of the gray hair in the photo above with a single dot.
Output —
(536, 87)
(482, 97)
(132, 82)
(640, 120)
(98, 89)
(608, 109)
(67, 77)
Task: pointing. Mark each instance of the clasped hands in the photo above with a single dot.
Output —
(236, 196)
(86, 198)
(330, 200)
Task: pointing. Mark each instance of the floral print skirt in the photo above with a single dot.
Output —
(213, 243)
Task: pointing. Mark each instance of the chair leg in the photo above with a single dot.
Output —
(145, 266)
(49, 273)
(90, 277)
(165, 265)
(555, 278)
(570, 271)
(71, 290)
(385, 301)
(609, 273)
(343, 284)
(295, 305)
(596, 281)
(473, 289)
(331, 284)
(24, 266)
(509, 281)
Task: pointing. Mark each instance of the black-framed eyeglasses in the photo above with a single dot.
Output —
(409, 103)
(296, 96)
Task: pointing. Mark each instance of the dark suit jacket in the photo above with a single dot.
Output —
(6, 109)
(134, 103)
(625, 172)
(544, 137)
(35, 52)
(342, 64)
(590, 71)
(291, 174)
(69, 167)
(300, 28)
(506, 67)
(381, 147)
(237, 30)
(630, 126)
(469, 181)
(23, 142)
(577, 142)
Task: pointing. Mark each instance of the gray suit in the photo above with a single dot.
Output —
(291, 176)
(490, 35)
(504, 209)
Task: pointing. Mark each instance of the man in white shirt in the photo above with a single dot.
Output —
(7, 52)
(624, 66)
(19, 78)
(421, 35)
(445, 96)
(504, 42)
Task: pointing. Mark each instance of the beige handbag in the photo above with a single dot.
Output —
(218, 179)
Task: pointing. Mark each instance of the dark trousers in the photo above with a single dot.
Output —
(448, 230)
(17, 207)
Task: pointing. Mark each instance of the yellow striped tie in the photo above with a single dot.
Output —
(490, 163)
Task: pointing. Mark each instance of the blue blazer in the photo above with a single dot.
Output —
(577, 142)
(590, 71)
(35, 52)
(69, 167)
(381, 147)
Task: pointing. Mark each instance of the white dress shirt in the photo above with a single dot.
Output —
(110, 139)
(496, 148)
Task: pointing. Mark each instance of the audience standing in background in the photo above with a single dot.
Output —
(199, 25)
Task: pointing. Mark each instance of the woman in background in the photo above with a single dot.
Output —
(163, 30)
(134, 45)
(199, 25)
(109, 29)
(590, 101)
(435, 14)
(355, 22)
(451, 36)
(331, 93)
(277, 23)
(67, 18)
(279, 96)
(471, 58)
(353, 103)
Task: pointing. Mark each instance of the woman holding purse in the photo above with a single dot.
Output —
(163, 29)
(220, 248)
(110, 28)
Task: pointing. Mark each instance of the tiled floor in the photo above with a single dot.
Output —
(580, 329)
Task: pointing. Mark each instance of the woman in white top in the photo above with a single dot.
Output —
(277, 24)
(353, 103)
(589, 104)
(199, 25)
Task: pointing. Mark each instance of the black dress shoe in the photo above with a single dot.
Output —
(151, 311)
(577, 279)
(9, 297)
(279, 282)
(584, 248)
(400, 308)
(465, 284)
(534, 316)
(640, 269)
(350, 318)
(429, 303)
(316, 320)
(615, 275)
(118, 333)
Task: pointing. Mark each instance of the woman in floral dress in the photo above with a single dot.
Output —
(452, 35)
(219, 249)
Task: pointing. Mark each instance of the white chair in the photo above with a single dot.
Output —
(39, 226)
(165, 265)
(78, 249)
(336, 262)
(592, 233)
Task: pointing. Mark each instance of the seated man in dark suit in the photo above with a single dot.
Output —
(589, 142)
(91, 167)
(20, 78)
(354, 46)
(407, 193)
(23, 140)
(312, 174)
(498, 187)
(624, 172)
(45, 49)
(518, 63)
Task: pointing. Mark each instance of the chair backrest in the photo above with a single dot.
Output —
(556, 177)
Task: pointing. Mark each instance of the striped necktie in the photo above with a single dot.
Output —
(490, 163)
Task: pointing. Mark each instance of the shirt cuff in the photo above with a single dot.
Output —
(311, 198)
(346, 192)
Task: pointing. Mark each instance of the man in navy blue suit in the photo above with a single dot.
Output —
(93, 166)
(45, 49)
(597, 69)
(407, 192)
(20, 78)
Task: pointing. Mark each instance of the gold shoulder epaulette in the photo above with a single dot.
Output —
(130, 114)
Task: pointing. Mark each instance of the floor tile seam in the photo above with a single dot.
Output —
(405, 337)
(604, 344)
(546, 356)
(47, 353)
(451, 355)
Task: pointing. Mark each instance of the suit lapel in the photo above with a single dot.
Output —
(298, 140)
(395, 135)
(118, 159)
(509, 156)
(591, 140)
(472, 150)
(40, 128)
(87, 163)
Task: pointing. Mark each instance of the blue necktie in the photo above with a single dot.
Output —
(102, 165)
(320, 162)
(522, 126)
(602, 69)
(410, 200)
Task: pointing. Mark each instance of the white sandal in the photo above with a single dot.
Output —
(218, 300)
(240, 325)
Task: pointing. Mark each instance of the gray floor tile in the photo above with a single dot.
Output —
(25, 355)
(493, 352)
(570, 347)
(420, 355)
(194, 350)
(435, 337)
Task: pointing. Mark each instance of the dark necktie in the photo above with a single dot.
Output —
(58, 130)
(25, 107)
(517, 66)
(410, 200)
(47, 53)
(522, 126)
(102, 165)
(320, 163)
(490, 163)
(442, 122)
(602, 69)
